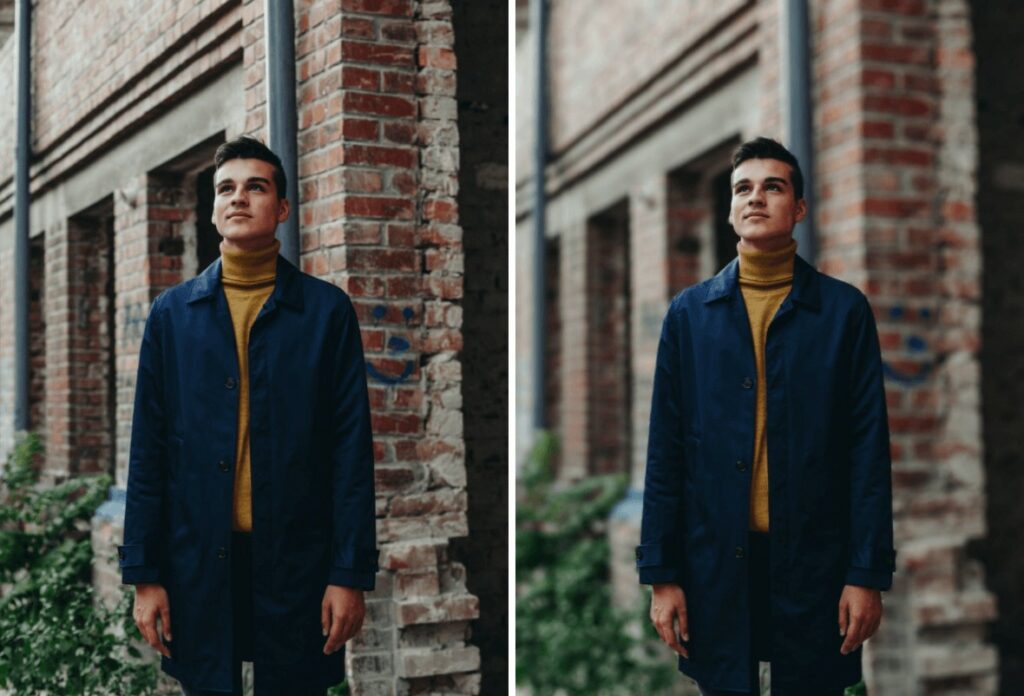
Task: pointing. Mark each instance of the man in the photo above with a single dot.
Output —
(249, 522)
(767, 521)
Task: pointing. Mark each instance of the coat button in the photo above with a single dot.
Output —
(223, 465)
(639, 555)
(229, 383)
(741, 465)
(222, 552)
(747, 383)
(739, 552)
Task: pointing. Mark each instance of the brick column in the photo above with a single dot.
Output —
(649, 293)
(6, 355)
(378, 165)
(896, 183)
(573, 307)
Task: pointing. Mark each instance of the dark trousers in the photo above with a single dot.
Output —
(761, 624)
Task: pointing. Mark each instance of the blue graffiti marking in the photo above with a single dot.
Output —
(904, 378)
(396, 345)
(915, 344)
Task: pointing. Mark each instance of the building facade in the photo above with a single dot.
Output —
(402, 142)
(916, 178)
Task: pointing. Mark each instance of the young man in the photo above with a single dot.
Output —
(249, 526)
(767, 521)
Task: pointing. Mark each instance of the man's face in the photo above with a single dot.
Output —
(764, 209)
(246, 209)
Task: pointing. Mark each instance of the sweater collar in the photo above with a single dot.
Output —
(766, 267)
(259, 265)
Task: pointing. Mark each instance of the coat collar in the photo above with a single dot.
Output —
(287, 288)
(805, 291)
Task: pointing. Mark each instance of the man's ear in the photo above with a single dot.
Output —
(801, 210)
(283, 210)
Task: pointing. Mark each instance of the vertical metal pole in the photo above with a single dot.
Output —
(538, 20)
(279, 17)
(800, 133)
(21, 217)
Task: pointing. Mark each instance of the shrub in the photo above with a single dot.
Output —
(570, 638)
(55, 636)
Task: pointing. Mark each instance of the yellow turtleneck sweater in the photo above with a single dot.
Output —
(765, 281)
(248, 279)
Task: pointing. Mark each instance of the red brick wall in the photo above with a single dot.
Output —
(645, 34)
(895, 174)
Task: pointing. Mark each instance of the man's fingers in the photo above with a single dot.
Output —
(325, 617)
(150, 635)
(334, 634)
(853, 635)
(667, 632)
(844, 616)
(165, 620)
(684, 624)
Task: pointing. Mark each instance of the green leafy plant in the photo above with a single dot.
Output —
(55, 636)
(570, 638)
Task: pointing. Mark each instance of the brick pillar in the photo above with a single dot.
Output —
(378, 165)
(6, 355)
(147, 259)
(649, 294)
(573, 308)
(896, 182)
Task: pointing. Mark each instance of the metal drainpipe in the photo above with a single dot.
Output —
(538, 19)
(279, 17)
(21, 217)
(800, 126)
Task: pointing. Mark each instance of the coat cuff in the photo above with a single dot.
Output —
(653, 564)
(356, 579)
(136, 565)
(868, 577)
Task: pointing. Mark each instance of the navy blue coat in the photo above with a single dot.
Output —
(312, 475)
(830, 497)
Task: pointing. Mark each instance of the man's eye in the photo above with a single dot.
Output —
(256, 187)
(774, 187)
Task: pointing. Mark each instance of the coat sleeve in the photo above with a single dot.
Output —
(872, 557)
(354, 555)
(658, 556)
(140, 557)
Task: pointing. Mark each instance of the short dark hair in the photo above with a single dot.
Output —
(247, 147)
(766, 148)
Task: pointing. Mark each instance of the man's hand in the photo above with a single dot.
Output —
(151, 603)
(668, 605)
(860, 613)
(341, 615)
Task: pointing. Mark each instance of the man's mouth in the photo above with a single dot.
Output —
(238, 215)
(759, 215)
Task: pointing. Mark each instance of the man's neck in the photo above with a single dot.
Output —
(763, 245)
(246, 247)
